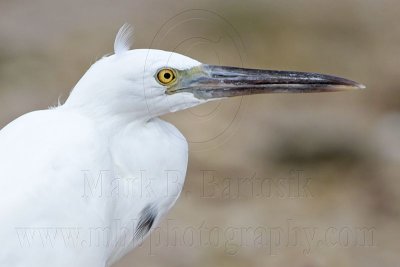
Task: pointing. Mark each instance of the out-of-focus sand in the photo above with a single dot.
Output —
(330, 162)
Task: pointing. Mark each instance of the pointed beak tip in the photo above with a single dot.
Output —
(361, 86)
(356, 86)
(347, 85)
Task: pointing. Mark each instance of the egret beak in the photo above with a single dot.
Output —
(209, 82)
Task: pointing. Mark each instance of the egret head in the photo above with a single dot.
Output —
(145, 83)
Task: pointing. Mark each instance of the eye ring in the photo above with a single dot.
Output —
(166, 76)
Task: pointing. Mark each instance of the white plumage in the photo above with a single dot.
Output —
(51, 161)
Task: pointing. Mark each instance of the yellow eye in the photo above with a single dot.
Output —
(166, 76)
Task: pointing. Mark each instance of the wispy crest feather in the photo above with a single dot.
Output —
(124, 39)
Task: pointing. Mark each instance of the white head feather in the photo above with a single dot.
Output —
(124, 39)
(125, 84)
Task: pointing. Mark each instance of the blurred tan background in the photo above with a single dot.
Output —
(329, 163)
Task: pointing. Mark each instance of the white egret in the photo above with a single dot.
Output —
(63, 169)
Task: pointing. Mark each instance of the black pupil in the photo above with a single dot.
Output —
(167, 75)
